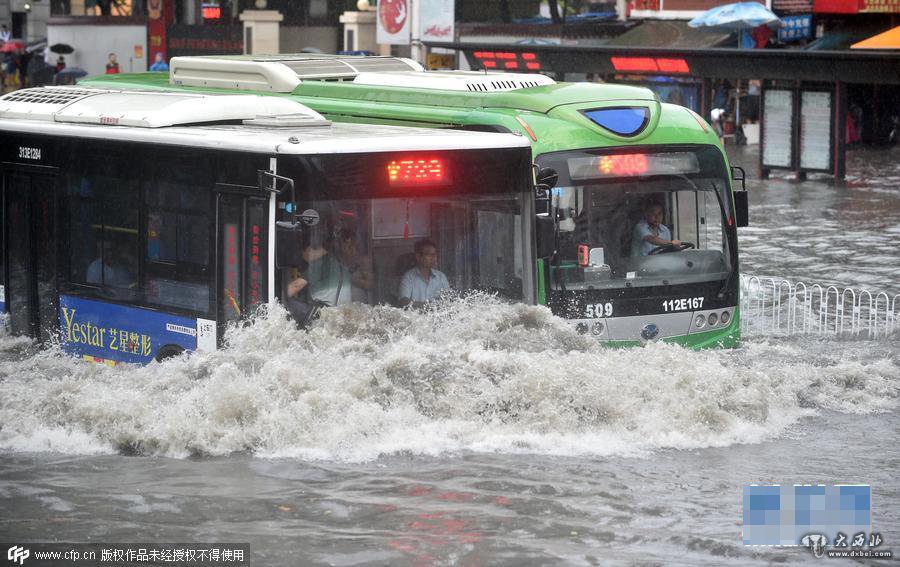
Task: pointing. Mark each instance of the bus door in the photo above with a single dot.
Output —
(30, 222)
(242, 215)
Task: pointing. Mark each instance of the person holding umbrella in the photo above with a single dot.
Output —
(70, 75)
(741, 17)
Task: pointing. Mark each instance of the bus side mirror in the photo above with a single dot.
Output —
(288, 245)
(545, 233)
(741, 209)
(546, 178)
(738, 174)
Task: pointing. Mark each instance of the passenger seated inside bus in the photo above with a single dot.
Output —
(336, 273)
(110, 269)
(424, 282)
(402, 252)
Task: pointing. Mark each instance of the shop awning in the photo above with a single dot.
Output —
(672, 34)
(887, 40)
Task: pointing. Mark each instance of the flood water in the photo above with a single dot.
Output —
(478, 433)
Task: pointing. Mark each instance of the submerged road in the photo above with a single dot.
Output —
(481, 433)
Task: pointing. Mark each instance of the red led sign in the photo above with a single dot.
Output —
(508, 60)
(211, 12)
(650, 65)
(632, 165)
(621, 165)
(418, 172)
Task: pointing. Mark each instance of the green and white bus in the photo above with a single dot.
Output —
(136, 225)
(604, 153)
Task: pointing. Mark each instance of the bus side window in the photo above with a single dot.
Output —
(178, 198)
(103, 228)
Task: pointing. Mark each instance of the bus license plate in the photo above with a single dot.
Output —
(683, 304)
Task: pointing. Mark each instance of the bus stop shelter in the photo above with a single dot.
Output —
(803, 101)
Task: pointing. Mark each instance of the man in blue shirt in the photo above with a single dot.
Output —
(424, 282)
(650, 233)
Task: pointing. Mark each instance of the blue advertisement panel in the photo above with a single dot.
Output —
(105, 332)
(2, 299)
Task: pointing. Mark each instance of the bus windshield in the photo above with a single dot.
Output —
(640, 219)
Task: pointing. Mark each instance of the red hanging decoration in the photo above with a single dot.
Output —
(406, 226)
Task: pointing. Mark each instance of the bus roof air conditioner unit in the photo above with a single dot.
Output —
(277, 73)
(468, 81)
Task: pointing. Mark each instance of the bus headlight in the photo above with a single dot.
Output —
(700, 321)
(581, 328)
(597, 328)
(726, 316)
(713, 319)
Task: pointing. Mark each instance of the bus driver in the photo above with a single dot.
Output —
(424, 282)
(650, 233)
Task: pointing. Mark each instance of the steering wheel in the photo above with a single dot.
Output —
(671, 248)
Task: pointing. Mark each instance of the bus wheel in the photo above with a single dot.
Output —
(168, 351)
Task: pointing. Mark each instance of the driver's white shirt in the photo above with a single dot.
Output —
(639, 246)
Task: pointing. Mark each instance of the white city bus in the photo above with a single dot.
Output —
(137, 225)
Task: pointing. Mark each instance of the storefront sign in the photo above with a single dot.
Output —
(205, 40)
(795, 27)
(879, 6)
(393, 22)
(856, 6)
(436, 20)
(440, 61)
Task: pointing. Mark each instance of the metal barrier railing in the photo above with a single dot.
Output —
(778, 306)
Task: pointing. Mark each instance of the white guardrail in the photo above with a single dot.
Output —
(779, 307)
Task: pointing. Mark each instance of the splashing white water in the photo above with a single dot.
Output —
(475, 374)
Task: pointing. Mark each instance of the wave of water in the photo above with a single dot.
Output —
(472, 375)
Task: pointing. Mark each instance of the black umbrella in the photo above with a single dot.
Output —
(74, 72)
(62, 48)
(70, 75)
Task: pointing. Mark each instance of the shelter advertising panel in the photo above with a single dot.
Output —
(816, 131)
(778, 128)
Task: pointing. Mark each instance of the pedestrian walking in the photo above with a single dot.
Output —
(24, 60)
